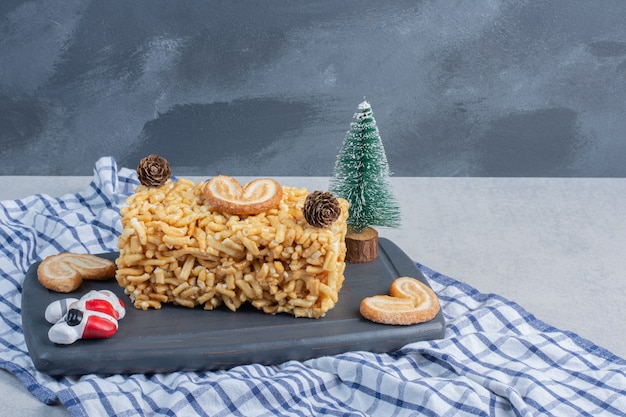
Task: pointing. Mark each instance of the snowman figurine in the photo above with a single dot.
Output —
(93, 316)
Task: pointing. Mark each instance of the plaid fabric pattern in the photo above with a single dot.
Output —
(495, 360)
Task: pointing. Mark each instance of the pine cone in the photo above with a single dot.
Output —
(321, 209)
(153, 171)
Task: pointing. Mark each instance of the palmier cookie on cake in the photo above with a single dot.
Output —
(224, 193)
(410, 302)
(64, 272)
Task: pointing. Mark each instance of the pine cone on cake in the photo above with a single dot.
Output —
(321, 209)
(153, 171)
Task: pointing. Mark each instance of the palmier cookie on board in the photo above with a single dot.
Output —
(64, 272)
(410, 302)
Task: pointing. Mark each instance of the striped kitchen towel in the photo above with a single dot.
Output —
(495, 359)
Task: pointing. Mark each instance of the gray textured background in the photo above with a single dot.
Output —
(473, 88)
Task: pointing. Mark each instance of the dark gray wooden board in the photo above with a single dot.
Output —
(175, 338)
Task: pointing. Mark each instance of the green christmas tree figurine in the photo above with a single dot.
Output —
(361, 176)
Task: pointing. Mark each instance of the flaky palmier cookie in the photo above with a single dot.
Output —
(65, 271)
(410, 302)
(224, 193)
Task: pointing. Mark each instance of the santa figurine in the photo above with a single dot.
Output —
(93, 316)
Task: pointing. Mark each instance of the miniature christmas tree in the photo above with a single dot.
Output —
(361, 176)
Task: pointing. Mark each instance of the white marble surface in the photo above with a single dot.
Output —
(554, 246)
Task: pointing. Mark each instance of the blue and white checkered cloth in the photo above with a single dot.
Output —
(496, 359)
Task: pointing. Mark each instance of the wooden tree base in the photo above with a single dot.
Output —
(363, 246)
